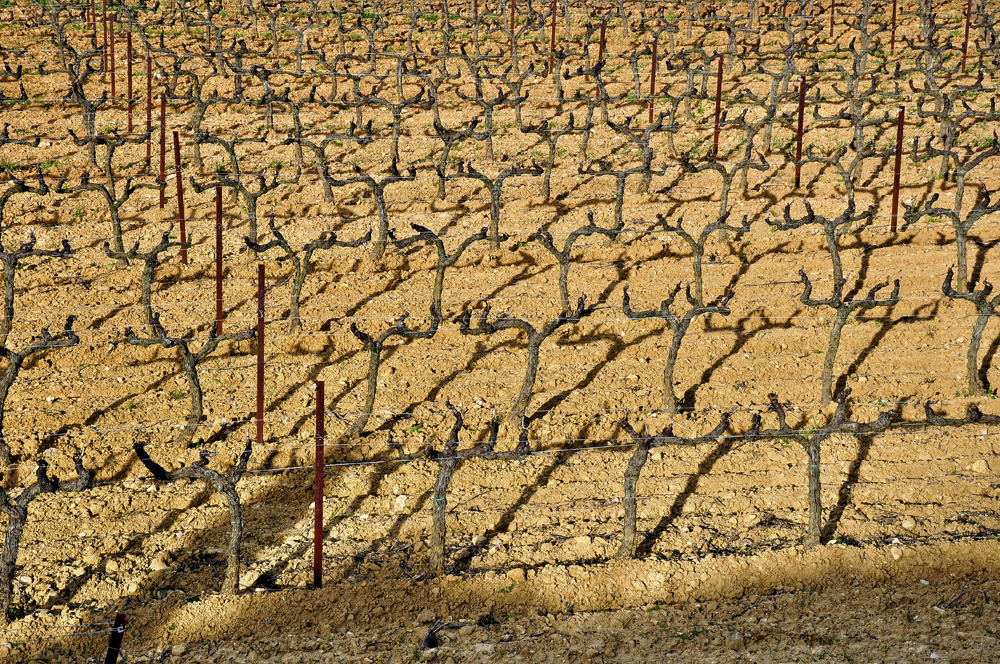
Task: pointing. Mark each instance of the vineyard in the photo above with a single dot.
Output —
(458, 326)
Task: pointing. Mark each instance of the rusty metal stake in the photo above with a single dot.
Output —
(718, 109)
(965, 44)
(149, 112)
(163, 149)
(128, 76)
(318, 486)
(600, 51)
(104, 28)
(552, 41)
(892, 30)
(218, 261)
(899, 165)
(652, 80)
(260, 355)
(111, 29)
(798, 147)
(512, 37)
(115, 642)
(180, 198)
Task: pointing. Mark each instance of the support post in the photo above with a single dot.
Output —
(899, 165)
(513, 39)
(798, 146)
(128, 76)
(652, 81)
(104, 29)
(600, 49)
(318, 486)
(180, 198)
(892, 30)
(718, 108)
(218, 261)
(149, 112)
(163, 149)
(111, 29)
(965, 42)
(115, 642)
(552, 41)
(260, 355)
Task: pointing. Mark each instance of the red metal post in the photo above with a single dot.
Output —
(552, 41)
(718, 108)
(798, 147)
(128, 76)
(318, 486)
(475, 10)
(111, 29)
(218, 260)
(104, 26)
(899, 165)
(512, 37)
(115, 642)
(892, 30)
(652, 80)
(149, 111)
(260, 355)
(600, 50)
(163, 149)
(833, 9)
(965, 43)
(180, 197)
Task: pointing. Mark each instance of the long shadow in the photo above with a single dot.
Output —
(991, 353)
(704, 468)
(325, 356)
(743, 336)
(210, 533)
(884, 329)
(617, 346)
(507, 518)
(135, 544)
(982, 248)
(844, 494)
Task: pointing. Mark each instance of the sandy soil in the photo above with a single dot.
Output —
(911, 564)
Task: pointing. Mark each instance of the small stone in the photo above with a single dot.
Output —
(479, 540)
(909, 523)
(735, 641)
(516, 575)
(896, 552)
(91, 560)
(111, 567)
(429, 655)
(160, 562)
(465, 630)
(862, 379)
(981, 467)
(426, 616)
